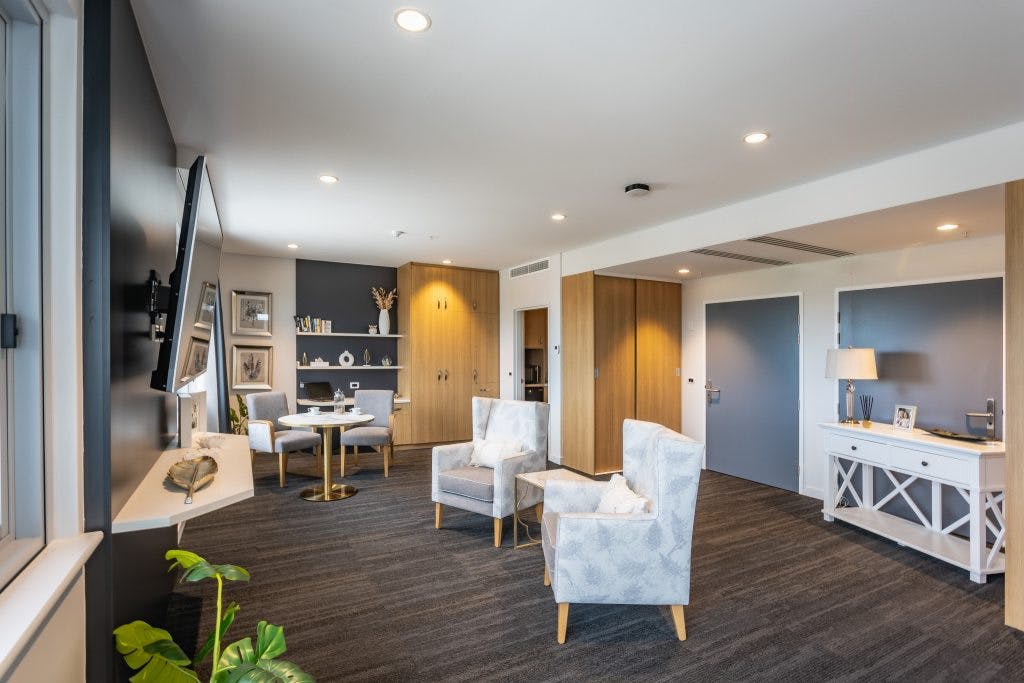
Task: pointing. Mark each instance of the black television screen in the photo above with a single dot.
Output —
(188, 332)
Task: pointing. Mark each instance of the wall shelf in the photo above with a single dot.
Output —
(349, 334)
(352, 367)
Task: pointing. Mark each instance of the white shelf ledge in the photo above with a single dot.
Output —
(348, 401)
(156, 503)
(352, 367)
(349, 334)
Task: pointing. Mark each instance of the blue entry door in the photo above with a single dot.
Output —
(753, 390)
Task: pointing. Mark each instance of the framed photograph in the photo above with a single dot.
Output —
(251, 367)
(207, 302)
(250, 314)
(195, 359)
(904, 417)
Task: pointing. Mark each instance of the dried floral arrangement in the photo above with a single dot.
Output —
(383, 298)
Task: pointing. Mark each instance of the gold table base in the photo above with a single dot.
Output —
(336, 492)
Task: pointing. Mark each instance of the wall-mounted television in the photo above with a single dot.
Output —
(193, 294)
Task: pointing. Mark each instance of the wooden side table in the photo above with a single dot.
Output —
(537, 479)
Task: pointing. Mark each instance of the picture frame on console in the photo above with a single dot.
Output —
(251, 367)
(250, 314)
(904, 417)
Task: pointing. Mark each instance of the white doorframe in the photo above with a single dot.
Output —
(800, 370)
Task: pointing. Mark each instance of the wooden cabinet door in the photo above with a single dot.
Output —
(484, 355)
(426, 340)
(578, 372)
(457, 335)
(535, 328)
(615, 367)
(658, 348)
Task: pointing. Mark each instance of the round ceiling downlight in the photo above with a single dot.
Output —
(755, 138)
(328, 179)
(558, 217)
(946, 227)
(412, 20)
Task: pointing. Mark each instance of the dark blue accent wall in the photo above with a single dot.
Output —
(340, 292)
(938, 346)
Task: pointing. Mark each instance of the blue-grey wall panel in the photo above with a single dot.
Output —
(340, 292)
(939, 346)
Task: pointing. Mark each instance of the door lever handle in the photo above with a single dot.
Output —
(709, 390)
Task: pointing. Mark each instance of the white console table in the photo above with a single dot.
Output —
(973, 471)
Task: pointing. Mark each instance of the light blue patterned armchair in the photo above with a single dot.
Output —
(626, 559)
(489, 491)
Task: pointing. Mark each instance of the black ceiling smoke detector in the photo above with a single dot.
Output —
(637, 189)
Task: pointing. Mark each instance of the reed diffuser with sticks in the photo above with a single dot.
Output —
(866, 402)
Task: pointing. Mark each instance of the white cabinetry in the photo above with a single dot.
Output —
(972, 471)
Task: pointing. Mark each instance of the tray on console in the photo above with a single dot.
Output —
(946, 434)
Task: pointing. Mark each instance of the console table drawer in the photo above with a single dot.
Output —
(861, 449)
(931, 465)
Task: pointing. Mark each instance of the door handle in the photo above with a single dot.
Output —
(710, 389)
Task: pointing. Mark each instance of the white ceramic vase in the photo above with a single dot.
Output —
(384, 322)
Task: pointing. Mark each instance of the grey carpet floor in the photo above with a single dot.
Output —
(367, 590)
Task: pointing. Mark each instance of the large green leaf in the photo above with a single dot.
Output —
(226, 620)
(264, 671)
(154, 653)
(195, 568)
(231, 572)
(182, 558)
(269, 641)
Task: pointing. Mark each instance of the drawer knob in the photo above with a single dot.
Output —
(853, 448)
(924, 463)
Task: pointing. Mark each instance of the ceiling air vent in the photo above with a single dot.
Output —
(528, 268)
(741, 257)
(801, 246)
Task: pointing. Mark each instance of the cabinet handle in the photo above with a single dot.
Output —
(924, 463)
(438, 375)
(474, 375)
(853, 448)
(439, 304)
(446, 374)
(446, 303)
(474, 304)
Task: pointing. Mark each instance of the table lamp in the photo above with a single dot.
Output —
(850, 364)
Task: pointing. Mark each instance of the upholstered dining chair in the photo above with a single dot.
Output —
(514, 435)
(266, 435)
(378, 434)
(636, 558)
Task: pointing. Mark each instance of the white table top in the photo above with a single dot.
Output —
(325, 419)
(914, 437)
(156, 503)
(348, 401)
(539, 478)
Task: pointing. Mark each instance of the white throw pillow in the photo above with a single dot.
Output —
(618, 498)
(487, 452)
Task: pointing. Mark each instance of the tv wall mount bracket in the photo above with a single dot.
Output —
(157, 297)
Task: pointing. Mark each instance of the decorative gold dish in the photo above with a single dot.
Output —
(192, 474)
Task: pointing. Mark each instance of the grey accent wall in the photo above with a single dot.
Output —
(340, 292)
(938, 346)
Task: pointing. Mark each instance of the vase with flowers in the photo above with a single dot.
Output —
(384, 300)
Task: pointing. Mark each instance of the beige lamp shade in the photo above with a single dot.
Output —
(850, 364)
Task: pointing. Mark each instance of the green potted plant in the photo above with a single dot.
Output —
(152, 653)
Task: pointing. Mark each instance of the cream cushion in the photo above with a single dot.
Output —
(487, 452)
(618, 498)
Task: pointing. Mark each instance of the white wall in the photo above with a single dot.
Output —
(57, 652)
(535, 290)
(818, 282)
(264, 274)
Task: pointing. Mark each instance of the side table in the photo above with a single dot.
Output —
(537, 479)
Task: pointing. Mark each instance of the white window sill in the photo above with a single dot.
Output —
(26, 603)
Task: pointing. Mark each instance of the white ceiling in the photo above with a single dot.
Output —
(979, 213)
(502, 113)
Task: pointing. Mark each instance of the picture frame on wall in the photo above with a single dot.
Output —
(196, 358)
(207, 306)
(251, 367)
(250, 314)
(904, 417)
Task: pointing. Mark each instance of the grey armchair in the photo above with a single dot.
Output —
(266, 435)
(484, 490)
(626, 559)
(379, 433)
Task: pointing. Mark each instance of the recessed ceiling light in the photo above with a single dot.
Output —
(755, 137)
(947, 227)
(558, 217)
(293, 246)
(328, 179)
(412, 20)
(684, 271)
(447, 261)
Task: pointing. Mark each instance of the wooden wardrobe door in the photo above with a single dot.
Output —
(457, 337)
(578, 372)
(426, 361)
(615, 365)
(658, 348)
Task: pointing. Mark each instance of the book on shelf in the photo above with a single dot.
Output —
(305, 323)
